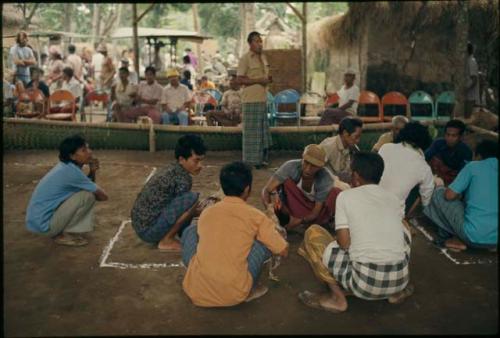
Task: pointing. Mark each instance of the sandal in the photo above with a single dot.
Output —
(312, 300)
(257, 292)
(71, 240)
(399, 297)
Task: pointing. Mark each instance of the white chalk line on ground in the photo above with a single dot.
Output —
(444, 250)
(103, 263)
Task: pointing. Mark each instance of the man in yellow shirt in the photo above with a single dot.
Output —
(398, 123)
(206, 83)
(225, 252)
(253, 74)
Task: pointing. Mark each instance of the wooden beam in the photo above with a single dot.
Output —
(301, 17)
(144, 13)
(304, 47)
(136, 38)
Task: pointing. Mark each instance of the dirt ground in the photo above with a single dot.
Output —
(51, 290)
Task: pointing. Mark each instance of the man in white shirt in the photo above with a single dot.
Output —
(175, 101)
(97, 60)
(472, 97)
(405, 165)
(74, 61)
(348, 101)
(370, 256)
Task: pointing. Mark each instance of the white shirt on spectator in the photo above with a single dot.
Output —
(374, 219)
(97, 60)
(472, 70)
(404, 168)
(175, 98)
(74, 86)
(347, 94)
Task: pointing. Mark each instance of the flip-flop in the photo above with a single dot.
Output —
(312, 300)
(170, 250)
(71, 241)
(263, 290)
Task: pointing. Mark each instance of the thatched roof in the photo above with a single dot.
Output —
(344, 30)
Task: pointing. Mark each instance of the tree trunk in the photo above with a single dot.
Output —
(136, 39)
(247, 15)
(196, 22)
(461, 55)
(95, 20)
(304, 47)
(68, 16)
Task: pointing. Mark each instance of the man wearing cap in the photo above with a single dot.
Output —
(21, 58)
(132, 75)
(253, 74)
(149, 94)
(175, 101)
(348, 101)
(303, 190)
(398, 123)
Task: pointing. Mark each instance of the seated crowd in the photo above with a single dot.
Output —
(351, 205)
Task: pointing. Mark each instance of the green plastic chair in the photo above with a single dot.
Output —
(445, 103)
(421, 106)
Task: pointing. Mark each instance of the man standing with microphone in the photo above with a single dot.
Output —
(253, 74)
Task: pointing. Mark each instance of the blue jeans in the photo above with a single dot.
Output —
(181, 118)
(256, 258)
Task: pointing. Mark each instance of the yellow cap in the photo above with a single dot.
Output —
(172, 73)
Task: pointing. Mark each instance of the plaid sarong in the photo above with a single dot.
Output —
(256, 134)
(370, 281)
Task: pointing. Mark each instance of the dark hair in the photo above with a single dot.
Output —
(455, 124)
(186, 59)
(487, 149)
(368, 165)
(188, 144)
(68, 71)
(415, 134)
(69, 146)
(235, 177)
(470, 48)
(123, 69)
(349, 124)
(150, 69)
(71, 49)
(252, 35)
(44, 55)
(187, 74)
(35, 69)
(18, 36)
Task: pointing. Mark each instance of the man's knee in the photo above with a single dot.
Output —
(438, 195)
(85, 197)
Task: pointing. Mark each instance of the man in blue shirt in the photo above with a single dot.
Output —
(475, 220)
(62, 203)
(21, 58)
(448, 155)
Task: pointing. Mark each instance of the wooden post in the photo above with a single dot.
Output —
(304, 47)
(136, 38)
(462, 35)
(197, 29)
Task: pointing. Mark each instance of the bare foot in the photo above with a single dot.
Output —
(327, 302)
(455, 244)
(171, 245)
(399, 297)
(257, 292)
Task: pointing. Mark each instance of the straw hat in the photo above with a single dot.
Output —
(315, 155)
(172, 73)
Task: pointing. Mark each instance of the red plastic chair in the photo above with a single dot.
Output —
(393, 99)
(367, 97)
(92, 97)
(332, 100)
(31, 103)
(64, 113)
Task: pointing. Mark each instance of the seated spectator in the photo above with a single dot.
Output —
(205, 83)
(132, 75)
(74, 61)
(186, 79)
(303, 189)
(369, 256)
(8, 99)
(448, 155)
(340, 148)
(187, 66)
(230, 115)
(466, 213)
(55, 68)
(123, 95)
(176, 101)
(37, 82)
(166, 204)
(148, 98)
(398, 123)
(71, 84)
(225, 252)
(405, 165)
(348, 101)
(62, 205)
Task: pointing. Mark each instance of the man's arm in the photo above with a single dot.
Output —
(450, 195)
(269, 190)
(347, 105)
(100, 194)
(343, 238)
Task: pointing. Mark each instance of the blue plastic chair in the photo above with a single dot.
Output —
(421, 106)
(445, 103)
(215, 93)
(288, 96)
(271, 110)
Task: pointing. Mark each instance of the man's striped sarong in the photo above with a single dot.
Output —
(256, 135)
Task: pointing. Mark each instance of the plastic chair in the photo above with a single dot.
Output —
(445, 103)
(366, 100)
(271, 109)
(92, 97)
(332, 101)
(394, 103)
(31, 103)
(311, 103)
(421, 106)
(61, 114)
(215, 93)
(283, 101)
